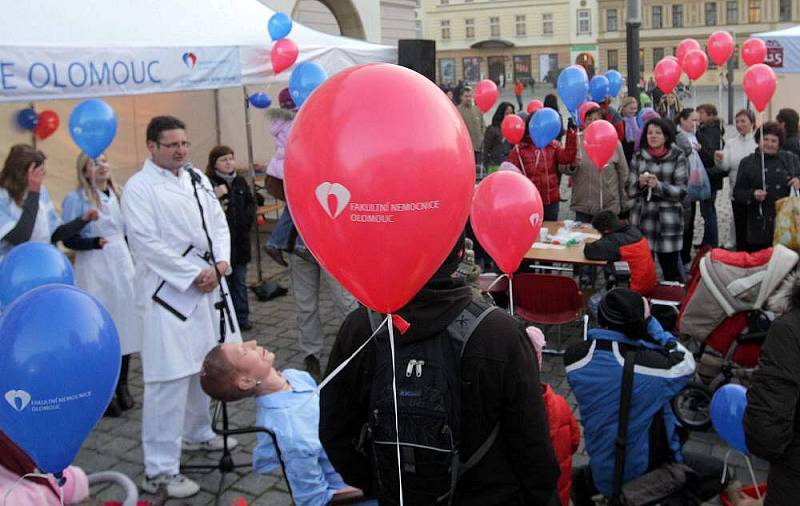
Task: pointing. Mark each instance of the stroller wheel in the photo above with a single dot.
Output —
(692, 407)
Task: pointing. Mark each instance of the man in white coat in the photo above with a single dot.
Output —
(163, 222)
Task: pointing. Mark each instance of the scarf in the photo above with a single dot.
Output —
(657, 153)
(228, 178)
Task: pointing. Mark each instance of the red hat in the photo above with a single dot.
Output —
(285, 99)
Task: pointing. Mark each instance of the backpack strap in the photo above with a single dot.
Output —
(481, 451)
(622, 428)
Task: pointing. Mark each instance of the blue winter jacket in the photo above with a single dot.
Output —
(594, 371)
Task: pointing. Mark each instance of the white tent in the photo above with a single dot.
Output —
(783, 55)
(74, 49)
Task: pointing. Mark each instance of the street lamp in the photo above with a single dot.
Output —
(633, 20)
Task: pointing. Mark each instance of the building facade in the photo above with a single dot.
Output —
(506, 40)
(666, 22)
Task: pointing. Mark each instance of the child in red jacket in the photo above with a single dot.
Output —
(564, 430)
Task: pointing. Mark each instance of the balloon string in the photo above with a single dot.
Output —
(763, 166)
(497, 279)
(32, 475)
(519, 155)
(752, 475)
(510, 295)
(396, 417)
(341, 366)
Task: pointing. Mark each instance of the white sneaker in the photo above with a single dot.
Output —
(212, 445)
(177, 485)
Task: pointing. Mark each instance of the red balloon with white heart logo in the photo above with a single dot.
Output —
(283, 55)
(486, 94)
(379, 195)
(600, 142)
(506, 216)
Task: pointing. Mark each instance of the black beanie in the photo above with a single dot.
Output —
(623, 310)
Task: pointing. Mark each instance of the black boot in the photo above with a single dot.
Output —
(124, 397)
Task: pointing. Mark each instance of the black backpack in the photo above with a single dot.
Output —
(429, 412)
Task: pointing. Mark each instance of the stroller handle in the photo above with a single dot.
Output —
(131, 492)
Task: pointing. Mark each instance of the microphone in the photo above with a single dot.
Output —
(193, 174)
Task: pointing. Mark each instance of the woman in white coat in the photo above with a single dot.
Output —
(103, 264)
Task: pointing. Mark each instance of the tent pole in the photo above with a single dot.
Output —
(217, 115)
(251, 174)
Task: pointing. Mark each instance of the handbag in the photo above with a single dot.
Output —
(787, 221)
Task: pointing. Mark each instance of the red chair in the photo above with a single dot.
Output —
(548, 299)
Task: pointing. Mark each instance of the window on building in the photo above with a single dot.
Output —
(754, 11)
(658, 54)
(445, 26)
(520, 26)
(472, 69)
(584, 22)
(612, 55)
(711, 13)
(656, 20)
(732, 12)
(469, 28)
(547, 24)
(447, 70)
(494, 26)
(677, 16)
(612, 24)
(785, 10)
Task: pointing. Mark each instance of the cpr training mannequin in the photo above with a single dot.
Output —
(287, 404)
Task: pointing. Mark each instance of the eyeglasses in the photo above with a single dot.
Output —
(176, 145)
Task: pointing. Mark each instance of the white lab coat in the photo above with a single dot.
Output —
(45, 224)
(162, 220)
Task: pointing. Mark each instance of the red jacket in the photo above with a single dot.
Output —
(626, 243)
(566, 438)
(541, 165)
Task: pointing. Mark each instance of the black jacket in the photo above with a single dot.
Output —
(792, 144)
(772, 420)
(711, 136)
(240, 211)
(500, 381)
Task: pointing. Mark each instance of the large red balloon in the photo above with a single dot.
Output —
(584, 108)
(513, 128)
(720, 47)
(379, 195)
(754, 51)
(600, 142)
(47, 123)
(283, 55)
(684, 47)
(507, 214)
(759, 85)
(695, 64)
(486, 94)
(534, 105)
(667, 74)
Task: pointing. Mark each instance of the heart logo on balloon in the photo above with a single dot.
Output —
(535, 220)
(340, 194)
(24, 398)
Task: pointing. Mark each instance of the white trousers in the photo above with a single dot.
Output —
(171, 411)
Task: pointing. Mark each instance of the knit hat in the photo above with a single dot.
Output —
(285, 99)
(623, 310)
(537, 340)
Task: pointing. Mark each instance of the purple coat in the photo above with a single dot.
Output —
(281, 125)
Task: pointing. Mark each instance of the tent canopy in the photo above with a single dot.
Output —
(71, 49)
(783, 49)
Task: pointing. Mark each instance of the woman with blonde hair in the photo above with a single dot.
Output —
(103, 263)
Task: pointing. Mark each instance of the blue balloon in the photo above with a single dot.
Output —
(598, 87)
(93, 125)
(544, 127)
(279, 25)
(304, 80)
(614, 82)
(30, 265)
(260, 100)
(573, 85)
(60, 366)
(727, 414)
(27, 119)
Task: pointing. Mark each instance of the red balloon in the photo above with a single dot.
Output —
(284, 54)
(48, 122)
(600, 142)
(754, 51)
(585, 108)
(534, 105)
(759, 85)
(513, 128)
(506, 215)
(695, 64)
(684, 47)
(667, 74)
(379, 212)
(486, 94)
(720, 47)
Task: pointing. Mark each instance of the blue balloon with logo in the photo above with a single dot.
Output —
(727, 414)
(60, 365)
(614, 82)
(279, 25)
(305, 78)
(260, 100)
(598, 88)
(27, 119)
(30, 265)
(93, 125)
(572, 86)
(544, 127)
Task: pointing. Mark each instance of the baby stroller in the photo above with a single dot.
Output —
(724, 317)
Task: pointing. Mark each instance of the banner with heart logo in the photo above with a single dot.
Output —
(379, 194)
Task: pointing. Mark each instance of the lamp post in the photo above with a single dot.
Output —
(633, 20)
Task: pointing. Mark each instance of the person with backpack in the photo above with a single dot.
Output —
(465, 374)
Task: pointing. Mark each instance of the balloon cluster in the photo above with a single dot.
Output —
(43, 125)
(284, 52)
(305, 78)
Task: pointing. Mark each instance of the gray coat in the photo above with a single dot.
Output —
(586, 182)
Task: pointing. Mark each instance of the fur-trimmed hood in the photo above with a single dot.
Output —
(787, 296)
(276, 113)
